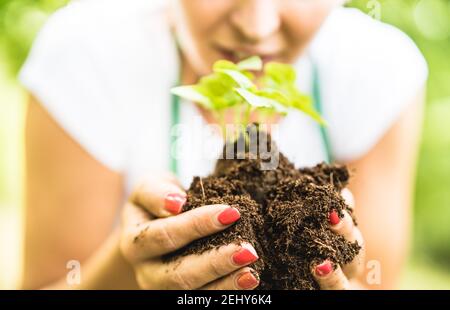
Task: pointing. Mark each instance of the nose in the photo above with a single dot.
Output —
(256, 20)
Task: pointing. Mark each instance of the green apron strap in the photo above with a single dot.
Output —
(317, 102)
(174, 119)
(174, 112)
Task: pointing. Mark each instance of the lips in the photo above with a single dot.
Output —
(238, 54)
(228, 54)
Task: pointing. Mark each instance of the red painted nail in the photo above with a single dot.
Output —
(324, 269)
(245, 256)
(229, 216)
(334, 218)
(174, 202)
(247, 280)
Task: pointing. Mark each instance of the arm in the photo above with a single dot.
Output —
(383, 189)
(71, 204)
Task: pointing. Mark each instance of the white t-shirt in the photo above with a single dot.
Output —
(104, 68)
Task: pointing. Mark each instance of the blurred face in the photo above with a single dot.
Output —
(276, 30)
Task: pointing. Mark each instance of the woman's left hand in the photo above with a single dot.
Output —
(331, 277)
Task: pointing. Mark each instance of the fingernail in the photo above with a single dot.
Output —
(174, 202)
(245, 255)
(229, 216)
(324, 269)
(247, 280)
(334, 218)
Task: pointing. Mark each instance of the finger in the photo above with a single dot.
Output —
(330, 277)
(343, 226)
(132, 219)
(170, 177)
(194, 271)
(162, 197)
(356, 266)
(134, 216)
(346, 227)
(162, 236)
(348, 197)
(242, 279)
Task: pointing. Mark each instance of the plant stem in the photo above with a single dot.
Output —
(247, 115)
(221, 116)
(238, 111)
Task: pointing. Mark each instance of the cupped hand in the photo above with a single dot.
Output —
(334, 277)
(153, 225)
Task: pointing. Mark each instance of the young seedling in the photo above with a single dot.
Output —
(284, 212)
(249, 86)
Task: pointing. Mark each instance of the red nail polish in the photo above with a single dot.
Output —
(229, 216)
(324, 269)
(244, 256)
(247, 280)
(174, 202)
(334, 218)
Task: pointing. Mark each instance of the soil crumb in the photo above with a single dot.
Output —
(284, 215)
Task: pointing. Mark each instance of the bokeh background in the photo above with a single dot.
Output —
(427, 22)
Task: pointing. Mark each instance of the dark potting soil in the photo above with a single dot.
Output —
(284, 215)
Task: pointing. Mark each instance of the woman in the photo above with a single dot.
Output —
(98, 123)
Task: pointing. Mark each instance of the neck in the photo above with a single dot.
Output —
(188, 75)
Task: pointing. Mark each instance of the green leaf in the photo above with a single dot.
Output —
(215, 85)
(275, 95)
(241, 79)
(231, 86)
(224, 64)
(304, 104)
(257, 101)
(313, 114)
(219, 89)
(251, 64)
(279, 73)
(192, 93)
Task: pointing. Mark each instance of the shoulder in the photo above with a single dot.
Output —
(353, 42)
(102, 12)
(362, 32)
(369, 72)
(111, 26)
(126, 43)
(98, 63)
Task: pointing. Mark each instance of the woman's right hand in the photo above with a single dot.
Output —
(153, 226)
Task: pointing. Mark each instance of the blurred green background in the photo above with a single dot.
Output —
(426, 21)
